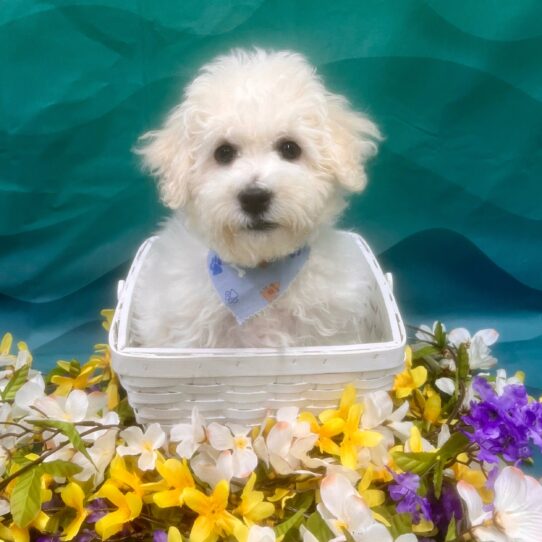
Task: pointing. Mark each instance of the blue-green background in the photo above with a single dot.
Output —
(454, 204)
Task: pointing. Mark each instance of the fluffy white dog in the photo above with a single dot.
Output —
(255, 162)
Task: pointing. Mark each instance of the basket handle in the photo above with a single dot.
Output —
(120, 289)
(389, 278)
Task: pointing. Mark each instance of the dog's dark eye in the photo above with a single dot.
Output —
(289, 149)
(225, 154)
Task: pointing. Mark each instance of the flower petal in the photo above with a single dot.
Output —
(155, 434)
(447, 385)
(334, 489)
(473, 501)
(488, 336)
(76, 405)
(458, 336)
(220, 437)
(377, 407)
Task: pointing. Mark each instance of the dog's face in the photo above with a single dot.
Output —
(259, 155)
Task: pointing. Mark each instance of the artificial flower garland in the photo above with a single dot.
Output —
(435, 459)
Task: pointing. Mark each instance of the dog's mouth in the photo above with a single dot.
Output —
(262, 225)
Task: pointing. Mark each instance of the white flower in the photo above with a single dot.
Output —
(447, 385)
(343, 508)
(261, 534)
(516, 514)
(212, 466)
(75, 407)
(10, 435)
(4, 457)
(143, 444)
(378, 410)
(287, 444)
(101, 453)
(4, 507)
(235, 439)
(427, 334)
(443, 436)
(378, 415)
(29, 392)
(110, 418)
(190, 436)
(479, 353)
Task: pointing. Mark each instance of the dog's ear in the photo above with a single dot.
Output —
(166, 155)
(353, 141)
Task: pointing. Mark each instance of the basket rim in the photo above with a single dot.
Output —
(118, 332)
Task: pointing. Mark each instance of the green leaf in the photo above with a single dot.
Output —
(451, 533)
(462, 361)
(61, 468)
(416, 462)
(19, 377)
(437, 479)
(125, 412)
(440, 335)
(25, 500)
(293, 521)
(428, 350)
(68, 430)
(318, 527)
(399, 523)
(455, 445)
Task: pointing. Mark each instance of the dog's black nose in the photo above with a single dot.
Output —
(255, 200)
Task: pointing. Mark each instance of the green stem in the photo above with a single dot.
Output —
(43, 457)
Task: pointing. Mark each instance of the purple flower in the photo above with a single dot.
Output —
(405, 493)
(447, 507)
(503, 425)
(48, 538)
(159, 536)
(98, 509)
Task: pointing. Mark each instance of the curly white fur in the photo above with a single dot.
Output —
(252, 100)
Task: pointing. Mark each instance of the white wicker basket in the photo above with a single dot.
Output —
(244, 385)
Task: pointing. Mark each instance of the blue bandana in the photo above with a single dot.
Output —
(247, 291)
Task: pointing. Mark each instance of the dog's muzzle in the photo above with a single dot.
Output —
(255, 201)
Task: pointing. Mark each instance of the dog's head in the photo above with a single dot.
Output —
(259, 154)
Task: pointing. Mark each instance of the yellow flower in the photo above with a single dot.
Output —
(80, 382)
(5, 344)
(415, 440)
(173, 535)
(354, 438)
(121, 477)
(253, 509)
(410, 379)
(214, 521)
(432, 407)
(347, 417)
(128, 508)
(372, 497)
(474, 477)
(282, 495)
(72, 496)
(108, 318)
(348, 398)
(13, 359)
(178, 477)
(332, 427)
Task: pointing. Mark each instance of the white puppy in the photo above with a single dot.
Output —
(256, 162)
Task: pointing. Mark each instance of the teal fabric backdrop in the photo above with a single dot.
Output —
(454, 204)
